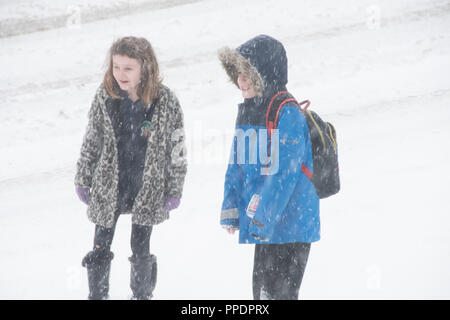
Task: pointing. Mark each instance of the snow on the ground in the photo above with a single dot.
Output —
(26, 16)
(377, 70)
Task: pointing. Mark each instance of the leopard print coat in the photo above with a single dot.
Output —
(165, 162)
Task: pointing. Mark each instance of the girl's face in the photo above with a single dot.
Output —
(127, 72)
(246, 86)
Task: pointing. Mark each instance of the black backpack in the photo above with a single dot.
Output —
(323, 144)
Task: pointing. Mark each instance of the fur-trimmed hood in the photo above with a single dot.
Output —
(262, 58)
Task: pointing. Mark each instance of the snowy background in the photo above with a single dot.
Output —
(378, 70)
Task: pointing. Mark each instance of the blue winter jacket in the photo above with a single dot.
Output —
(288, 207)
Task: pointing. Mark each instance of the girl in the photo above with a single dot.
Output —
(132, 161)
(278, 210)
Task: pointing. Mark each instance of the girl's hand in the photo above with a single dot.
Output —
(84, 194)
(171, 203)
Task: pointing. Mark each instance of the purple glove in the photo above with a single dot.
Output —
(171, 203)
(84, 194)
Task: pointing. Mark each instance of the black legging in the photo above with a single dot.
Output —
(278, 270)
(140, 238)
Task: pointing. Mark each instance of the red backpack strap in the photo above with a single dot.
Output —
(304, 168)
(271, 124)
(279, 108)
(279, 99)
(306, 171)
(307, 102)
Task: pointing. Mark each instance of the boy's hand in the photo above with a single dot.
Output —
(230, 230)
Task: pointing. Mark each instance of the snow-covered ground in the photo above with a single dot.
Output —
(378, 70)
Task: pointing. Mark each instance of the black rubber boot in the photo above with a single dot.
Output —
(143, 276)
(98, 265)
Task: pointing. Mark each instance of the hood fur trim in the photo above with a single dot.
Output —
(234, 63)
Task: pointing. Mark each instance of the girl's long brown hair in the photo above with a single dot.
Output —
(141, 50)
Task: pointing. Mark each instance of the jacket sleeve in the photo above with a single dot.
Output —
(176, 164)
(279, 186)
(91, 146)
(232, 190)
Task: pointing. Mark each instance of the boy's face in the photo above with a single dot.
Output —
(127, 72)
(246, 86)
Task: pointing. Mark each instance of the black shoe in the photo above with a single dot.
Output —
(143, 276)
(98, 265)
